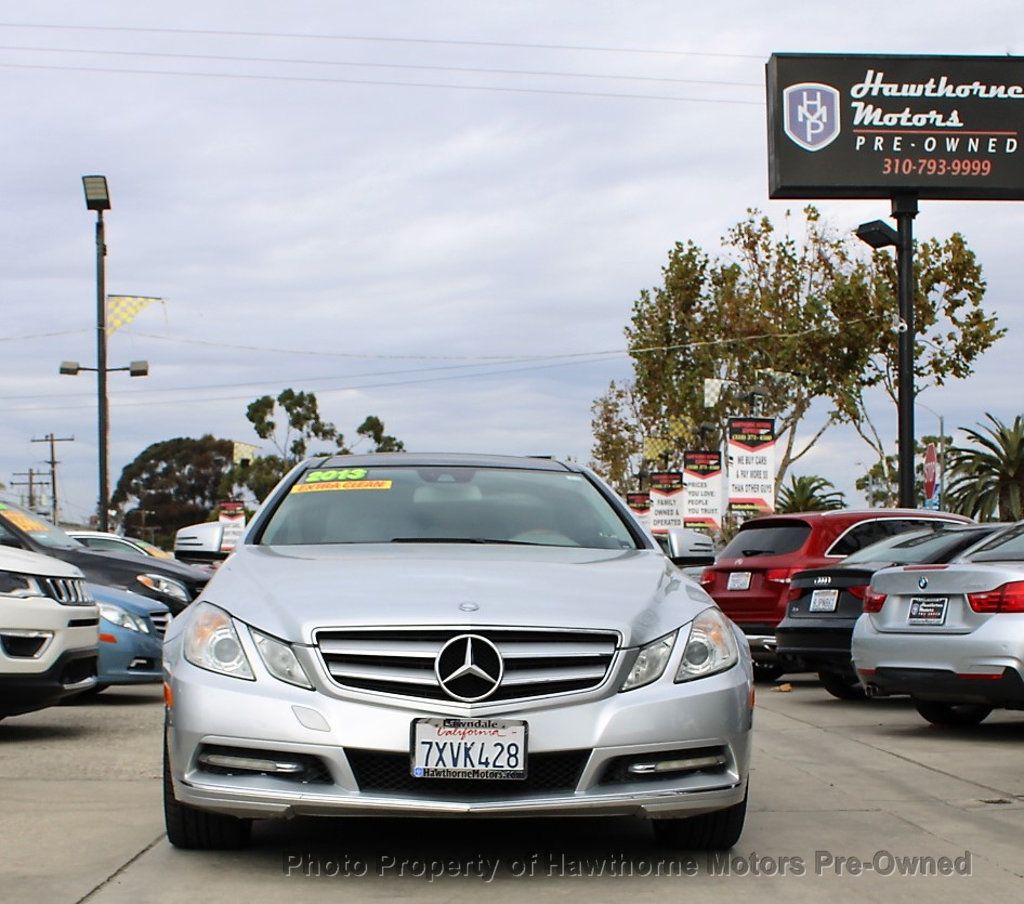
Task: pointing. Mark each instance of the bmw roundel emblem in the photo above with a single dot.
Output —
(922, 582)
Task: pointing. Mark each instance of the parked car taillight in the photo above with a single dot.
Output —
(780, 575)
(794, 593)
(707, 578)
(873, 600)
(859, 591)
(1007, 598)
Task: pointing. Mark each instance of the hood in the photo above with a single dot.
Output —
(24, 562)
(290, 591)
(133, 603)
(101, 565)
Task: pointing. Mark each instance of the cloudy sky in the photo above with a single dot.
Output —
(436, 212)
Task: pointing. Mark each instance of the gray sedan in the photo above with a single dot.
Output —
(453, 636)
(950, 636)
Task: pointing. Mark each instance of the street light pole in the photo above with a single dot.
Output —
(101, 371)
(904, 209)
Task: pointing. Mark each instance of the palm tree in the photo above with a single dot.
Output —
(809, 494)
(988, 482)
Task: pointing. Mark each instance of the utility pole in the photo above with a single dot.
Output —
(53, 440)
(32, 482)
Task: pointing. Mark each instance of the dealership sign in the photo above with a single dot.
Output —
(666, 500)
(640, 505)
(702, 476)
(751, 465)
(871, 126)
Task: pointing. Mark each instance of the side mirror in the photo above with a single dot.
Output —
(690, 548)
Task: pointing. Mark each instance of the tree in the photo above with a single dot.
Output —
(987, 481)
(810, 493)
(790, 322)
(171, 484)
(292, 422)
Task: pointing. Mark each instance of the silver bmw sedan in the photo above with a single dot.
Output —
(453, 636)
(950, 636)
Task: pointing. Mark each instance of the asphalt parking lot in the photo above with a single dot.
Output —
(80, 820)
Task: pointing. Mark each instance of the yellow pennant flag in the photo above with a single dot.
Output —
(123, 309)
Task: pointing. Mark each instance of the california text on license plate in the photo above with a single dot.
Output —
(824, 600)
(468, 748)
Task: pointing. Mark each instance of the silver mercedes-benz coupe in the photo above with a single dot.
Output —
(453, 636)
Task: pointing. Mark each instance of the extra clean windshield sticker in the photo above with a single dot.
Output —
(343, 474)
(332, 485)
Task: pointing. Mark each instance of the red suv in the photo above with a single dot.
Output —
(750, 577)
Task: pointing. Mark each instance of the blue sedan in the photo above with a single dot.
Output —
(131, 637)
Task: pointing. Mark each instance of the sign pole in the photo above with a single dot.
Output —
(904, 209)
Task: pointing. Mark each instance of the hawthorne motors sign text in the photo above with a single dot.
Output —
(877, 126)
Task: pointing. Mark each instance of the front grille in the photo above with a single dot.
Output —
(67, 591)
(159, 621)
(537, 662)
(377, 772)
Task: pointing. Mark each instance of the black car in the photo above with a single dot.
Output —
(172, 583)
(825, 603)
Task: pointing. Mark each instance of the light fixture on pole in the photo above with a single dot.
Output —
(879, 234)
(97, 197)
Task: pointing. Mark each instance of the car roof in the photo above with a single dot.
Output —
(439, 460)
(857, 515)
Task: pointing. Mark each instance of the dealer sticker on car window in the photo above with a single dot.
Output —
(332, 485)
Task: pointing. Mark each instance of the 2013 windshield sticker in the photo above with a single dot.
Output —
(342, 474)
(332, 485)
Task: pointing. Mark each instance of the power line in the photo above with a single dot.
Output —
(42, 335)
(370, 65)
(452, 42)
(378, 82)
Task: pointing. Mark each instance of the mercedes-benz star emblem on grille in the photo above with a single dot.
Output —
(469, 668)
(922, 582)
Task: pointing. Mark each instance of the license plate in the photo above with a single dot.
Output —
(468, 748)
(824, 600)
(738, 580)
(927, 610)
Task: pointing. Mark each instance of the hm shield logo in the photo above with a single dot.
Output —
(811, 115)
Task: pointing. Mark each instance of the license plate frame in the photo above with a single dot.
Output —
(928, 610)
(824, 600)
(738, 580)
(491, 739)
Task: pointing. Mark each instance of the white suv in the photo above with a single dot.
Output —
(49, 628)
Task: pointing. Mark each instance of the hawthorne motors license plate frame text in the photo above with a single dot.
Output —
(928, 610)
(490, 749)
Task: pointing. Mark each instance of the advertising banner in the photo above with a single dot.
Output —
(872, 126)
(751, 465)
(232, 516)
(931, 478)
(640, 505)
(666, 500)
(702, 477)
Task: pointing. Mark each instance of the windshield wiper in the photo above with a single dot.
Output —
(462, 540)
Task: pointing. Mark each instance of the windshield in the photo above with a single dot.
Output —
(767, 540)
(446, 505)
(39, 530)
(917, 548)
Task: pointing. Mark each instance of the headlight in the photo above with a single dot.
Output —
(211, 642)
(21, 585)
(118, 616)
(650, 663)
(279, 658)
(166, 586)
(710, 647)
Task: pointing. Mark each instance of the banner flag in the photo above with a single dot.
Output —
(123, 309)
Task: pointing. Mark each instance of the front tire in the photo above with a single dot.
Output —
(718, 831)
(198, 830)
(953, 715)
(842, 687)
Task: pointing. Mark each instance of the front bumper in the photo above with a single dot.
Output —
(71, 672)
(132, 658)
(984, 666)
(269, 716)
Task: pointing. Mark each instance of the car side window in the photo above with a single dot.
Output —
(9, 539)
(861, 535)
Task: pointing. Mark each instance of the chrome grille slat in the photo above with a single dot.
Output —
(67, 591)
(160, 620)
(400, 661)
